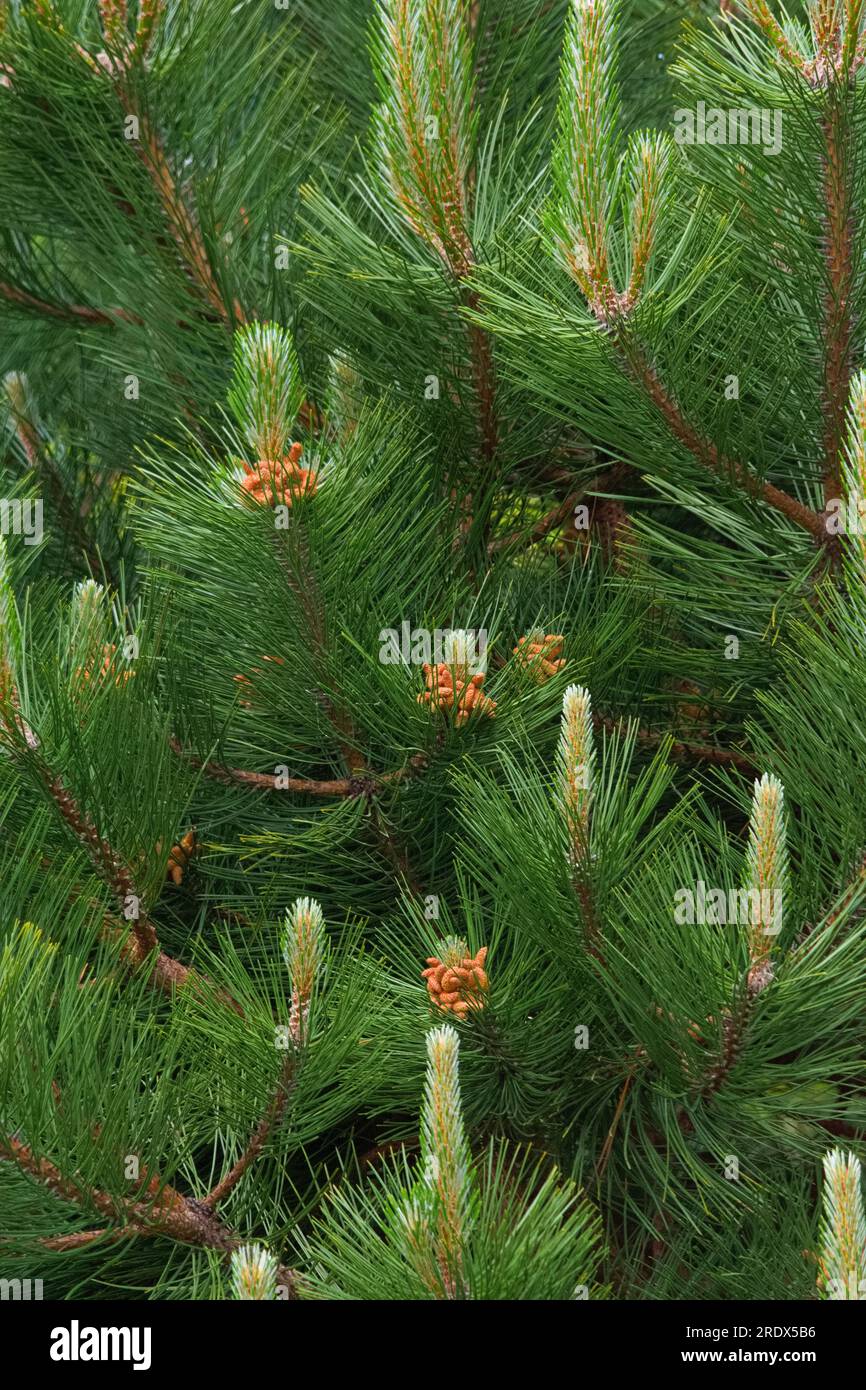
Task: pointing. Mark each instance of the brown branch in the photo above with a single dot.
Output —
(75, 313)
(181, 223)
(558, 514)
(838, 327)
(483, 380)
(107, 863)
(593, 935)
(118, 64)
(170, 1215)
(704, 451)
(703, 752)
(63, 503)
(167, 975)
(267, 1124)
(364, 784)
(734, 1026)
(607, 1147)
(76, 1240)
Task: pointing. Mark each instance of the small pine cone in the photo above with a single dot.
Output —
(444, 693)
(179, 857)
(540, 654)
(457, 982)
(696, 710)
(84, 674)
(271, 481)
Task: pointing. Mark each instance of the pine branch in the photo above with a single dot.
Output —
(170, 1215)
(762, 15)
(642, 371)
(363, 783)
(268, 1123)
(576, 776)
(425, 133)
(838, 52)
(838, 326)
(108, 865)
(303, 946)
(765, 886)
(181, 221)
(49, 475)
(74, 313)
(140, 945)
(124, 60)
(700, 752)
(588, 178)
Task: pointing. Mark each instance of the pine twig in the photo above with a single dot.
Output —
(107, 863)
(74, 313)
(171, 1215)
(838, 326)
(702, 752)
(63, 503)
(607, 1147)
(362, 784)
(268, 1123)
(119, 62)
(704, 451)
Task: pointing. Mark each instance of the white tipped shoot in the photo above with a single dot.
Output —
(843, 1228)
(766, 876)
(266, 393)
(7, 615)
(444, 1147)
(586, 164)
(435, 1219)
(576, 769)
(88, 598)
(424, 126)
(853, 521)
(462, 651)
(303, 945)
(253, 1273)
(650, 154)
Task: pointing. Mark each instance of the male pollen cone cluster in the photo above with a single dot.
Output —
(279, 480)
(85, 673)
(179, 857)
(458, 982)
(541, 654)
(448, 689)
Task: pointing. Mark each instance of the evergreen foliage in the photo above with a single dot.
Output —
(432, 649)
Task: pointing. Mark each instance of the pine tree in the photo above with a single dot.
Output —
(433, 649)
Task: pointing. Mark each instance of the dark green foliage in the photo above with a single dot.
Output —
(646, 1100)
